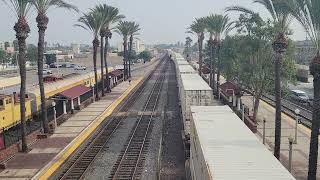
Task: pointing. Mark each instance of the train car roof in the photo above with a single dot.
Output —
(186, 69)
(194, 82)
(232, 151)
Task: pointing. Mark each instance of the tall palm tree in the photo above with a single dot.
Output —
(92, 22)
(112, 16)
(222, 27)
(198, 27)
(281, 16)
(187, 47)
(42, 7)
(123, 29)
(210, 23)
(133, 32)
(307, 12)
(21, 9)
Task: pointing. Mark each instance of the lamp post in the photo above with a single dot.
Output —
(290, 152)
(297, 112)
(264, 130)
(242, 111)
(54, 113)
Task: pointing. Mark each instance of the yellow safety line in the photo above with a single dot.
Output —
(80, 139)
(289, 119)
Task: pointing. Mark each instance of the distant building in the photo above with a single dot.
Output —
(120, 47)
(138, 46)
(75, 48)
(305, 52)
(53, 56)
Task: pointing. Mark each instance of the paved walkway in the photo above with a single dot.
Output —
(300, 150)
(49, 154)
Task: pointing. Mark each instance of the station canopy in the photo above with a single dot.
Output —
(74, 92)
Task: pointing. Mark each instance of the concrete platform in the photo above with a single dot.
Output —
(300, 153)
(45, 155)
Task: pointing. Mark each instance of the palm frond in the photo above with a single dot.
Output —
(42, 6)
(20, 8)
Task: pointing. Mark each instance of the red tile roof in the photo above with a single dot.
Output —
(75, 92)
(116, 72)
(227, 88)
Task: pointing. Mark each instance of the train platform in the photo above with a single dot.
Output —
(47, 155)
(300, 155)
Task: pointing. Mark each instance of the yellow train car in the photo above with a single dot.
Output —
(10, 111)
(10, 108)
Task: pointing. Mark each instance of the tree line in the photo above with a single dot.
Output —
(101, 20)
(259, 56)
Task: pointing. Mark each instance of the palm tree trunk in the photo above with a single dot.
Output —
(314, 140)
(200, 55)
(129, 58)
(101, 59)
(106, 46)
(210, 59)
(277, 138)
(22, 29)
(42, 21)
(125, 56)
(95, 43)
(212, 68)
(219, 68)
(280, 45)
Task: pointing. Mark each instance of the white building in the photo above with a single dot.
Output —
(305, 52)
(120, 47)
(138, 46)
(75, 48)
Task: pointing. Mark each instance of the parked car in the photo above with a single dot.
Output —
(53, 65)
(78, 67)
(47, 71)
(300, 96)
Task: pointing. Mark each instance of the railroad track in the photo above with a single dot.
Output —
(129, 164)
(80, 163)
(289, 109)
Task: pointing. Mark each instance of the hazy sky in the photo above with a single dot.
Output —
(162, 21)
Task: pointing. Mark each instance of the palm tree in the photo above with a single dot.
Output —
(198, 27)
(21, 9)
(281, 16)
(124, 29)
(112, 16)
(210, 23)
(133, 32)
(222, 27)
(42, 6)
(307, 12)
(187, 47)
(92, 22)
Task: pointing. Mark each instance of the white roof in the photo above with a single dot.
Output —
(232, 151)
(212, 109)
(182, 63)
(194, 82)
(186, 69)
